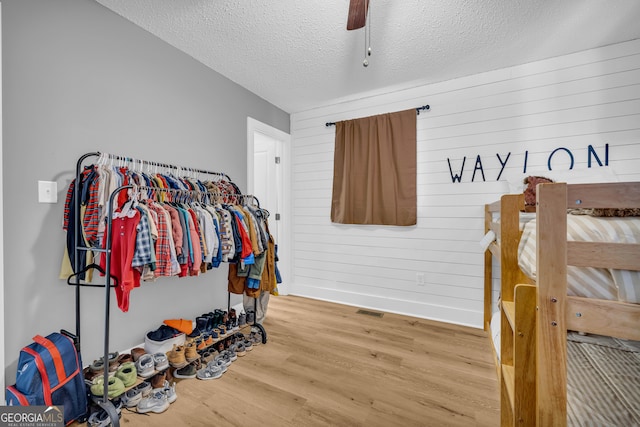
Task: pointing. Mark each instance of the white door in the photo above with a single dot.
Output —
(267, 154)
(265, 180)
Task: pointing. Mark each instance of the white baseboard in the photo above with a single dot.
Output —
(438, 313)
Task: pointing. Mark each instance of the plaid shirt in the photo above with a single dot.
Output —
(91, 218)
(143, 254)
(163, 246)
(67, 201)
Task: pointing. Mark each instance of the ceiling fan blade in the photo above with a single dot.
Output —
(357, 14)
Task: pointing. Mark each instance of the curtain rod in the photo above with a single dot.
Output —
(424, 107)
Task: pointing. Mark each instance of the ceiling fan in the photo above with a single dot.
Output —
(357, 14)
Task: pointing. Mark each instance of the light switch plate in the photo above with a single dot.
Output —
(47, 192)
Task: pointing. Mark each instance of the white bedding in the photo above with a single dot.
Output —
(611, 284)
(495, 332)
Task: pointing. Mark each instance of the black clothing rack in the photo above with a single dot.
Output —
(164, 165)
(418, 109)
(79, 249)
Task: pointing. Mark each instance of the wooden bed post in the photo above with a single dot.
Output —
(510, 273)
(551, 330)
(488, 273)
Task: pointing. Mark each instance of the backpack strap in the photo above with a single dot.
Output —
(21, 398)
(55, 355)
(46, 387)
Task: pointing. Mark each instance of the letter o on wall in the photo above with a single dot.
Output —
(554, 152)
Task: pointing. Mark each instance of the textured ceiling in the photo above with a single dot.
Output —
(299, 55)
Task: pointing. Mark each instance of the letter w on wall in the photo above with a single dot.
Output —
(374, 170)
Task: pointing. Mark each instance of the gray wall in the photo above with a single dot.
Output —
(78, 78)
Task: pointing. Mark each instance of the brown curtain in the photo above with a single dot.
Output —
(374, 170)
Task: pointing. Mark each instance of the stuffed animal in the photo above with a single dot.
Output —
(530, 190)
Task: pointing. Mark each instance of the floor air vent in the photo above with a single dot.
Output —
(370, 313)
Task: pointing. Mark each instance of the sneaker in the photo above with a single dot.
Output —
(207, 356)
(248, 344)
(118, 404)
(188, 371)
(136, 353)
(132, 397)
(163, 333)
(124, 358)
(99, 419)
(160, 361)
(176, 356)
(242, 320)
(201, 344)
(115, 387)
(208, 341)
(209, 372)
(144, 388)
(169, 391)
(220, 363)
(240, 349)
(255, 337)
(127, 373)
(224, 358)
(145, 366)
(156, 402)
(230, 354)
(90, 374)
(194, 335)
(233, 319)
(98, 365)
(251, 316)
(158, 380)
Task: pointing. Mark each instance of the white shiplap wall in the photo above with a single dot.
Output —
(587, 98)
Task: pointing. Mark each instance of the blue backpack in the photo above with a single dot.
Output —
(50, 373)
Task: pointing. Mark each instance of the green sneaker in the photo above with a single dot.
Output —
(127, 373)
(115, 387)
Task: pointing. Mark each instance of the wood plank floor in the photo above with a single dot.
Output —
(326, 365)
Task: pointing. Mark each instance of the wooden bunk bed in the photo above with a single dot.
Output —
(535, 315)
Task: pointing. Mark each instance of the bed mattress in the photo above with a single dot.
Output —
(611, 284)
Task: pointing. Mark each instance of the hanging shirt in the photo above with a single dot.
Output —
(162, 245)
(122, 252)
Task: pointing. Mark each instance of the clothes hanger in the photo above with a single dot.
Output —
(87, 268)
(129, 208)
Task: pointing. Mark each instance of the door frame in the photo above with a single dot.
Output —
(283, 150)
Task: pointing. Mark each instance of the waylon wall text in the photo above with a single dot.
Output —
(478, 169)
